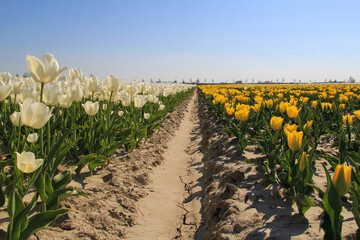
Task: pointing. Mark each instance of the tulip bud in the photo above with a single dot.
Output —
(120, 113)
(276, 122)
(146, 115)
(27, 163)
(307, 126)
(303, 162)
(31, 138)
(161, 107)
(342, 179)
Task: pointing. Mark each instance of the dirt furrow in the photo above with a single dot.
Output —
(172, 209)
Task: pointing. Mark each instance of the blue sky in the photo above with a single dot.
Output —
(183, 39)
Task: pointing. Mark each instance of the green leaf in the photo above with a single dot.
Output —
(303, 203)
(57, 196)
(63, 179)
(56, 147)
(40, 221)
(40, 186)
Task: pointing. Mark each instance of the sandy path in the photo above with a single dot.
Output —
(172, 210)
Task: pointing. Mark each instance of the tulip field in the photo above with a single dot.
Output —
(287, 123)
(48, 121)
(55, 124)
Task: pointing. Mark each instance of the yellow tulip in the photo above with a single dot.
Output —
(307, 126)
(230, 111)
(314, 104)
(295, 140)
(269, 103)
(347, 120)
(303, 162)
(276, 122)
(292, 111)
(342, 179)
(256, 107)
(290, 128)
(282, 106)
(242, 115)
(357, 114)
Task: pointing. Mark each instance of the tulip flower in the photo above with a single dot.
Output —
(27, 163)
(282, 106)
(161, 107)
(146, 115)
(314, 104)
(34, 114)
(28, 92)
(120, 113)
(292, 111)
(65, 101)
(357, 114)
(269, 103)
(342, 179)
(4, 91)
(295, 140)
(303, 162)
(91, 108)
(112, 83)
(75, 73)
(242, 115)
(290, 128)
(276, 122)
(307, 126)
(75, 93)
(51, 94)
(43, 70)
(15, 118)
(230, 111)
(31, 138)
(347, 120)
(256, 107)
(139, 101)
(93, 84)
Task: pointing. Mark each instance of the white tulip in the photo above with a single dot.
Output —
(146, 115)
(28, 92)
(27, 163)
(33, 137)
(93, 84)
(43, 70)
(34, 114)
(91, 108)
(112, 83)
(120, 113)
(139, 101)
(52, 93)
(15, 118)
(75, 93)
(161, 107)
(65, 101)
(4, 91)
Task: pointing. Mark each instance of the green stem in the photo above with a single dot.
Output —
(41, 92)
